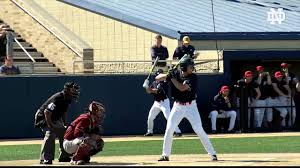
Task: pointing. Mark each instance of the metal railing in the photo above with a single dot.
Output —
(246, 110)
(48, 27)
(31, 58)
(129, 66)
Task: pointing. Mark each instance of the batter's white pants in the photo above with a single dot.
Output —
(156, 108)
(227, 114)
(191, 113)
(287, 102)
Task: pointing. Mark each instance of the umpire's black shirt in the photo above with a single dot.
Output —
(188, 95)
(57, 104)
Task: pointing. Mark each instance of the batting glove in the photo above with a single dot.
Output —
(146, 84)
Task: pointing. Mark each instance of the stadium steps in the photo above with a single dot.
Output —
(42, 64)
(24, 44)
(36, 64)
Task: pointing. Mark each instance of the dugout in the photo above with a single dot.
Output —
(237, 62)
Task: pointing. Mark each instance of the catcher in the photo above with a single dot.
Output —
(82, 138)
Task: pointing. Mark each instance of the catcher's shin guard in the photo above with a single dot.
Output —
(99, 146)
(82, 152)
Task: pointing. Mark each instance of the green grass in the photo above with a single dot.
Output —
(180, 146)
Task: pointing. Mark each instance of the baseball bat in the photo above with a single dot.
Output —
(154, 64)
(176, 65)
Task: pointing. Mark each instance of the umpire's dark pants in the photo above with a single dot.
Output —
(48, 145)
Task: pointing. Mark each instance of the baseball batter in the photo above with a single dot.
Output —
(183, 91)
(159, 90)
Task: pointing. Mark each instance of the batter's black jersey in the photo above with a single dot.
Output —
(250, 87)
(57, 105)
(182, 50)
(188, 95)
(162, 90)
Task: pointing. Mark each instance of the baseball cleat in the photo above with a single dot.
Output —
(214, 132)
(178, 134)
(64, 160)
(148, 134)
(46, 162)
(79, 162)
(163, 158)
(87, 160)
(214, 158)
(73, 162)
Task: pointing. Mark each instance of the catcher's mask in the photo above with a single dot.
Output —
(185, 63)
(72, 90)
(97, 110)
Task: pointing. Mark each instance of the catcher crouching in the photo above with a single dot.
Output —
(82, 138)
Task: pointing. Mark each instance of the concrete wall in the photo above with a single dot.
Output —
(111, 40)
(127, 104)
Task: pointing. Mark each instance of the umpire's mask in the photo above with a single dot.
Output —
(72, 90)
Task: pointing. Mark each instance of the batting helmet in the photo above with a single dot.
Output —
(185, 63)
(72, 89)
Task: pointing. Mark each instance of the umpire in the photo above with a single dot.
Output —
(51, 118)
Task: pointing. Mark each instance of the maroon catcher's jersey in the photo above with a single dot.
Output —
(81, 125)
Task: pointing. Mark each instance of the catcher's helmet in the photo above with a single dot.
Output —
(96, 106)
(72, 89)
(185, 63)
(97, 109)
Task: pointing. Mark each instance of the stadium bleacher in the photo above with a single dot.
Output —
(26, 65)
